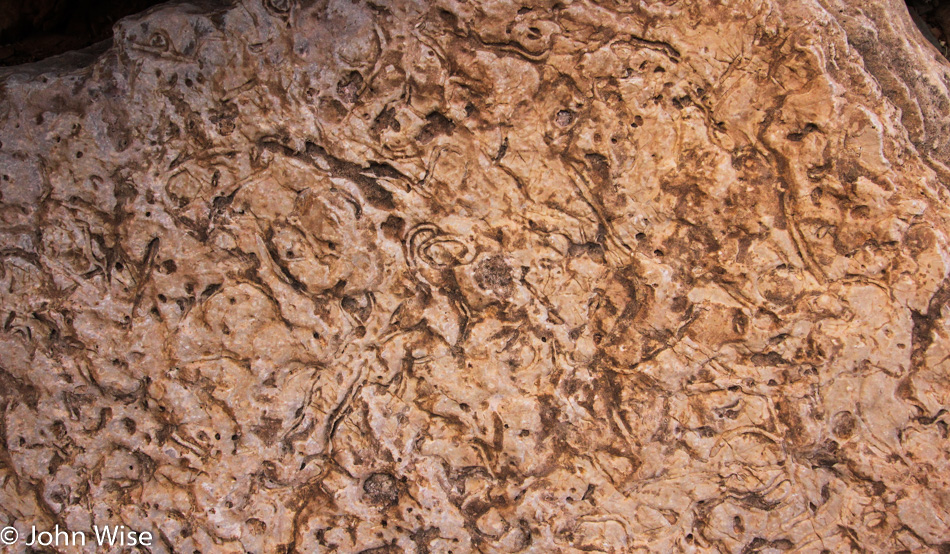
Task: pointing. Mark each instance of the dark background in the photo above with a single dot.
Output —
(933, 19)
(31, 30)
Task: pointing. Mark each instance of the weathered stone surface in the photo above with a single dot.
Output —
(482, 276)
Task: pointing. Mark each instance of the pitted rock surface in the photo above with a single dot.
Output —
(482, 276)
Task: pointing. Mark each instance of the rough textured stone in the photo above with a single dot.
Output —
(482, 276)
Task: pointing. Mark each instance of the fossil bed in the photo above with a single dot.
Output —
(482, 276)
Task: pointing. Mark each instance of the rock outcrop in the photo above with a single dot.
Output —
(482, 276)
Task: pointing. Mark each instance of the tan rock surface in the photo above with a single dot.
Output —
(482, 276)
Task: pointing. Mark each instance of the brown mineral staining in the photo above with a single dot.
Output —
(843, 425)
(493, 274)
(482, 277)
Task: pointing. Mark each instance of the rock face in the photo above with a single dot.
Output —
(481, 276)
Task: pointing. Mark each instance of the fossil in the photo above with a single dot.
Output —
(481, 276)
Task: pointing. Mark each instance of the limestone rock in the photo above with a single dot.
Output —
(482, 276)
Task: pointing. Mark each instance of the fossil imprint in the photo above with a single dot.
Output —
(481, 276)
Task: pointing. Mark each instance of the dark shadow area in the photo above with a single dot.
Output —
(933, 19)
(31, 30)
